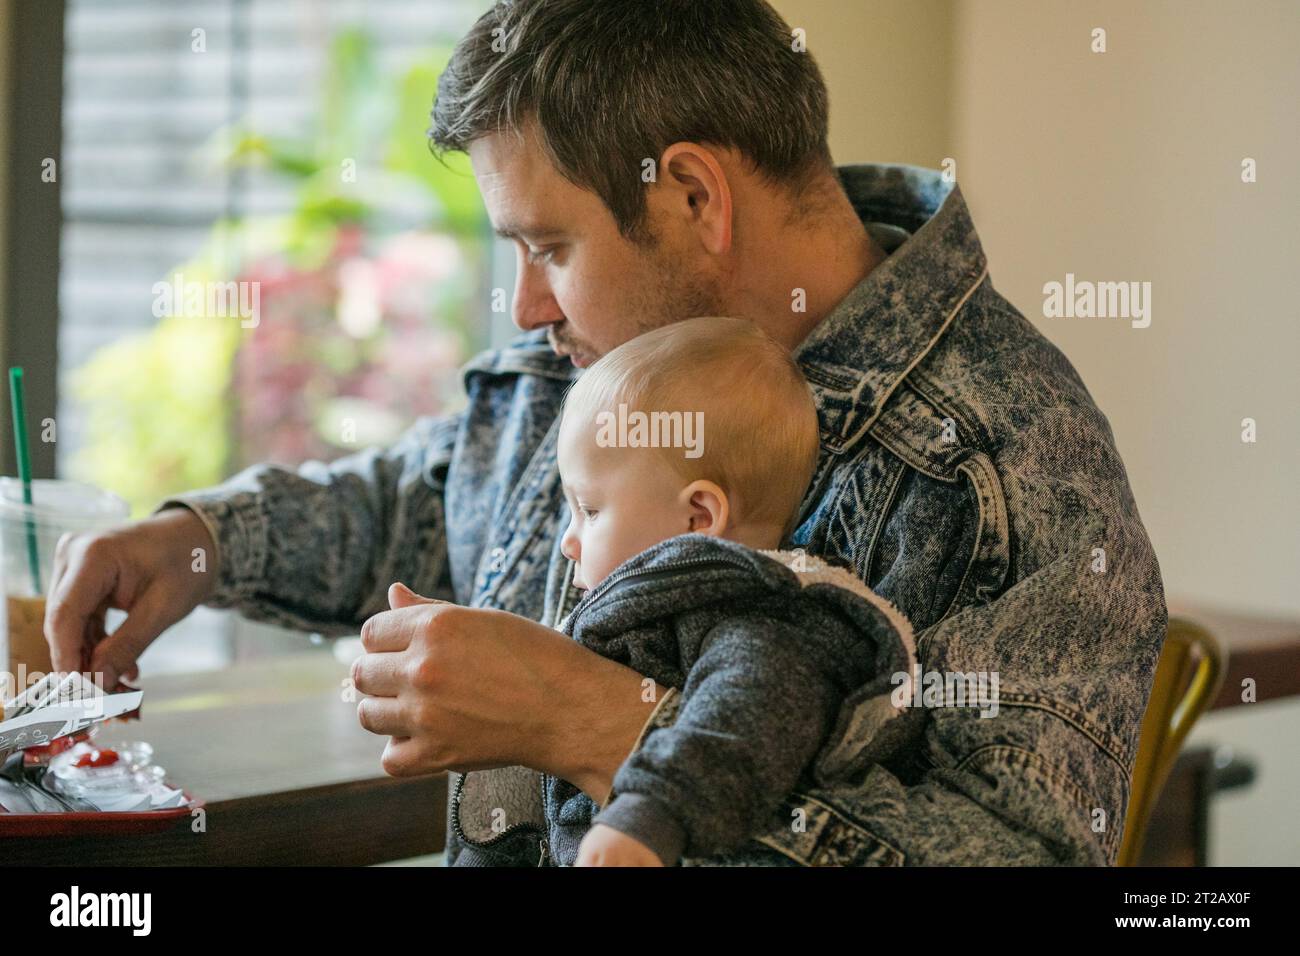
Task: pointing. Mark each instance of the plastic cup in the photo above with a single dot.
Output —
(57, 507)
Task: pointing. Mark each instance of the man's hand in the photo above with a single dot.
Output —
(464, 689)
(605, 846)
(145, 569)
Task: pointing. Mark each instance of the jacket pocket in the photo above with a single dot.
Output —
(991, 557)
(815, 829)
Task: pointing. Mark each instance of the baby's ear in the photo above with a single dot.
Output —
(399, 595)
(707, 504)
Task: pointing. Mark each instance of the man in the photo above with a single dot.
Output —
(650, 162)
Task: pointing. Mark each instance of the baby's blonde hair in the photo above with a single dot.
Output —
(761, 435)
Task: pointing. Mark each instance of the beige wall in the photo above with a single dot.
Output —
(1123, 166)
(888, 64)
(1126, 166)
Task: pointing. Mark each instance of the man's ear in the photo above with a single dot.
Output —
(707, 508)
(697, 188)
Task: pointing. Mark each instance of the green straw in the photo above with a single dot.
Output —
(24, 468)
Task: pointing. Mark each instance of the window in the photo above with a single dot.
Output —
(260, 258)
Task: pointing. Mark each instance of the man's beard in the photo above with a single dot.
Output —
(654, 306)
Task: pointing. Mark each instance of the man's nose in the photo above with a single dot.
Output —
(534, 304)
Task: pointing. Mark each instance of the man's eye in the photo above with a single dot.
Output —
(536, 256)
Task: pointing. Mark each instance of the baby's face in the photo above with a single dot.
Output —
(621, 501)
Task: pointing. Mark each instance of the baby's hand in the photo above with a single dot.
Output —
(605, 846)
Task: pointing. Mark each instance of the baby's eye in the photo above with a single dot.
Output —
(587, 512)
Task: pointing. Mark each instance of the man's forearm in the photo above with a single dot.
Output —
(601, 724)
(317, 547)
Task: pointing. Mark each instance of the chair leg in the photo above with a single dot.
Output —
(1178, 833)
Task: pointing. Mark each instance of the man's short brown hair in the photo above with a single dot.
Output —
(612, 83)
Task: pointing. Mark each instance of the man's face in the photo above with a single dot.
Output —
(578, 276)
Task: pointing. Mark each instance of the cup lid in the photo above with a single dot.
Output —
(58, 501)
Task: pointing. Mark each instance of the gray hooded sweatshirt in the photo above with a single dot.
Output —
(780, 667)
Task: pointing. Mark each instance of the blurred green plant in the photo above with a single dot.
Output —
(183, 405)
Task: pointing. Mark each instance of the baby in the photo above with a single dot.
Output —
(685, 455)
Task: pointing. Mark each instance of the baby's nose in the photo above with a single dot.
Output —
(569, 545)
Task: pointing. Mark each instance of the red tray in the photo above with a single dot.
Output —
(98, 823)
(93, 823)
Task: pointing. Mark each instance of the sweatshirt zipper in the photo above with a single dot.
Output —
(516, 828)
(546, 815)
(618, 580)
(610, 584)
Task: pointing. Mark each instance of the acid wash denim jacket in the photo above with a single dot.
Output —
(783, 661)
(965, 474)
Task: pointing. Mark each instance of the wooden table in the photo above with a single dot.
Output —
(290, 777)
(1266, 649)
(287, 773)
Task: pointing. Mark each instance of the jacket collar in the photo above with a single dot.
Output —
(859, 353)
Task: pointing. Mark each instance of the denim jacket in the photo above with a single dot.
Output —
(965, 474)
(786, 668)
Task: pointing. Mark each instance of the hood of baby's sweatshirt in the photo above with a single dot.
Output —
(692, 571)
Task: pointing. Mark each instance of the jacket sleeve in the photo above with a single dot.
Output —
(1073, 637)
(316, 548)
(754, 709)
(1038, 782)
